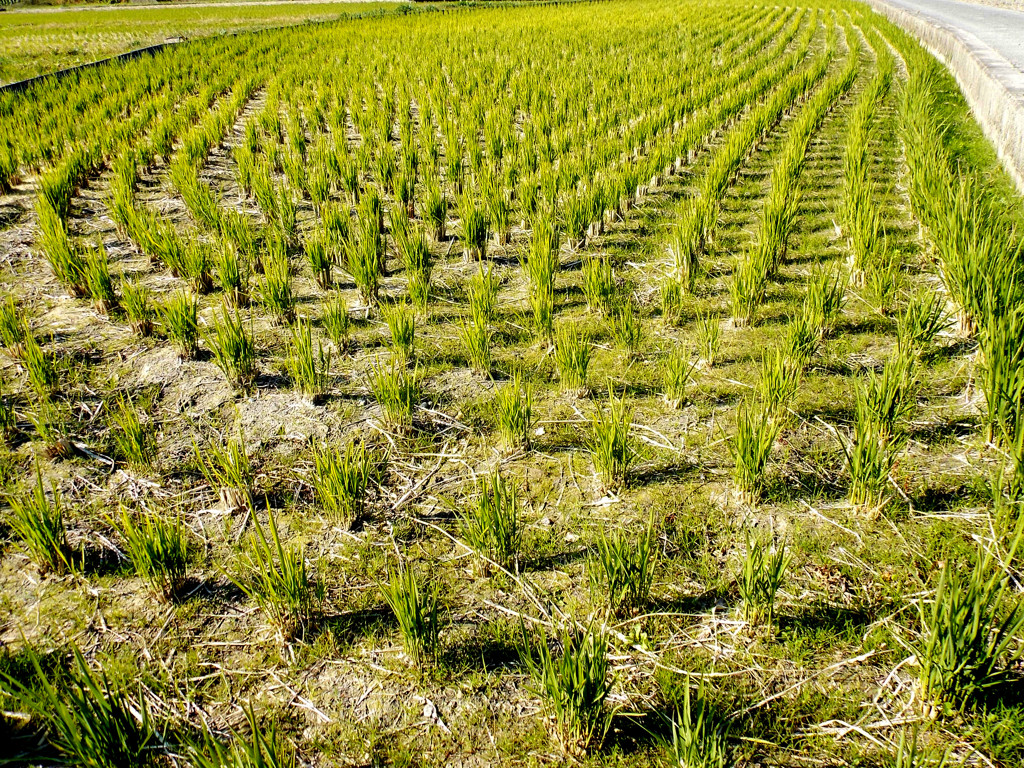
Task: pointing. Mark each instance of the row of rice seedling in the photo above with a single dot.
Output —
(978, 254)
(343, 162)
(58, 184)
(862, 218)
(754, 269)
(699, 216)
(963, 646)
(111, 108)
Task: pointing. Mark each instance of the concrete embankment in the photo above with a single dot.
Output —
(984, 49)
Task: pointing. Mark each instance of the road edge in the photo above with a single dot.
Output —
(994, 89)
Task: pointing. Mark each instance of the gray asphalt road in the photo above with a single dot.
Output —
(1000, 29)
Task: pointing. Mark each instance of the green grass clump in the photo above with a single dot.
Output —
(885, 280)
(573, 684)
(684, 255)
(134, 440)
(261, 747)
(541, 265)
(628, 329)
(233, 349)
(98, 280)
(870, 458)
(482, 292)
(419, 265)
(159, 550)
(778, 382)
(476, 334)
(621, 569)
(699, 738)
(476, 340)
(228, 469)
(397, 390)
(751, 446)
(90, 721)
(971, 632)
(39, 522)
(179, 316)
(825, 299)
(513, 408)
(913, 754)
(60, 250)
(572, 357)
(336, 322)
(761, 576)
(277, 578)
(491, 524)
(401, 324)
(802, 338)
(473, 224)
(748, 287)
(609, 442)
(232, 276)
(42, 376)
(8, 419)
(275, 289)
(50, 422)
(435, 209)
(309, 367)
(196, 262)
(415, 607)
(708, 335)
(675, 376)
(922, 320)
(320, 259)
(364, 255)
(341, 480)
(598, 284)
(1001, 372)
(13, 328)
(135, 302)
(888, 399)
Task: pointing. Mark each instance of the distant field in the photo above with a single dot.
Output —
(32, 43)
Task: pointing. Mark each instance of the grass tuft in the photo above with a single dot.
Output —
(308, 367)
(609, 442)
(397, 391)
(572, 357)
(159, 550)
(760, 578)
(622, 569)
(573, 684)
(39, 522)
(416, 610)
(491, 523)
(179, 316)
(134, 440)
(276, 577)
(341, 481)
(233, 349)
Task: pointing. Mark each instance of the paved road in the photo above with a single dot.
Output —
(1000, 29)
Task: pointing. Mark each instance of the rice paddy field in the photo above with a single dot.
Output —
(616, 383)
(34, 43)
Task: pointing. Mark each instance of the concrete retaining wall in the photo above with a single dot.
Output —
(994, 89)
